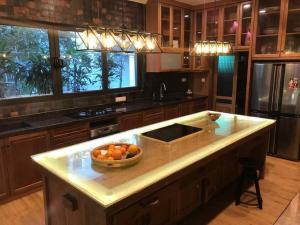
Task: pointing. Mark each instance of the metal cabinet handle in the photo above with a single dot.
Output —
(150, 203)
(156, 202)
(70, 202)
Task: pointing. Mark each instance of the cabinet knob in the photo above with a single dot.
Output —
(70, 202)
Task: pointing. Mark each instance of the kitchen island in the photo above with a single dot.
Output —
(172, 178)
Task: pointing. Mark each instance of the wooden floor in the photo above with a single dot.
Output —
(280, 190)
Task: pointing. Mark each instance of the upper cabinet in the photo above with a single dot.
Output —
(212, 24)
(245, 28)
(277, 33)
(291, 41)
(230, 24)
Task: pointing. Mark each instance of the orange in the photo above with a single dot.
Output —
(110, 158)
(96, 153)
(133, 149)
(123, 150)
(117, 154)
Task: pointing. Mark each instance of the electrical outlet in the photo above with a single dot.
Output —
(120, 99)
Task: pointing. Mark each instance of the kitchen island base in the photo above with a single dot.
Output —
(164, 202)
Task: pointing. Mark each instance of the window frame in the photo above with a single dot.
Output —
(56, 75)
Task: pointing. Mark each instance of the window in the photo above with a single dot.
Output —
(25, 68)
(121, 70)
(82, 70)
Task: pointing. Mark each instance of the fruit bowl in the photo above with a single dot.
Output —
(116, 155)
(214, 116)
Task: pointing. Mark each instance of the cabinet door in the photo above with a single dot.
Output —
(157, 209)
(245, 35)
(212, 24)
(69, 135)
(269, 17)
(165, 26)
(198, 36)
(190, 193)
(176, 28)
(212, 180)
(131, 121)
(291, 39)
(230, 24)
(4, 191)
(23, 173)
(171, 112)
(186, 108)
(199, 105)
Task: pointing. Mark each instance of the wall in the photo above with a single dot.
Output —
(79, 12)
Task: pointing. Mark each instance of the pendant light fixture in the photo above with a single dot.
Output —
(95, 38)
(211, 48)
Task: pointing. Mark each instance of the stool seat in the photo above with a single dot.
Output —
(250, 167)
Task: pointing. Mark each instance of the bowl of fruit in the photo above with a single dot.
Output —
(116, 155)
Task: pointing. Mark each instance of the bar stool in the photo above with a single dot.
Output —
(250, 168)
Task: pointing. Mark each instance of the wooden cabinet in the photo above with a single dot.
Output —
(171, 112)
(23, 173)
(157, 209)
(153, 116)
(199, 105)
(212, 180)
(69, 135)
(230, 24)
(190, 193)
(131, 121)
(4, 188)
(277, 33)
(175, 24)
(245, 25)
(212, 28)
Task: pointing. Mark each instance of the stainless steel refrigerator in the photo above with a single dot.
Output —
(275, 94)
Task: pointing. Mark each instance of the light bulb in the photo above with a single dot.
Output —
(198, 48)
(212, 47)
(219, 47)
(123, 41)
(247, 6)
(150, 43)
(226, 48)
(138, 43)
(107, 40)
(205, 47)
(89, 39)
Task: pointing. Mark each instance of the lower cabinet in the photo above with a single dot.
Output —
(212, 180)
(171, 112)
(157, 209)
(69, 135)
(4, 190)
(23, 173)
(153, 116)
(131, 121)
(190, 193)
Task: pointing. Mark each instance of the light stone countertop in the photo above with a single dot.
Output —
(110, 185)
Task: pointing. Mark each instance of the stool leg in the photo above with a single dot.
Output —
(258, 194)
(240, 189)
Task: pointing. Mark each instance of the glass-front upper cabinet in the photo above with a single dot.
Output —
(165, 26)
(246, 19)
(176, 28)
(198, 37)
(230, 24)
(292, 37)
(268, 27)
(187, 28)
(212, 24)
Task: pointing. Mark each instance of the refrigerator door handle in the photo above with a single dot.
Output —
(277, 84)
(273, 88)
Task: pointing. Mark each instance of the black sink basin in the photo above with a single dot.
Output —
(13, 126)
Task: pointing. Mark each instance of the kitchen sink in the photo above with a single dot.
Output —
(13, 126)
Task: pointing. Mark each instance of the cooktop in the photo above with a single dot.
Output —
(87, 113)
(172, 132)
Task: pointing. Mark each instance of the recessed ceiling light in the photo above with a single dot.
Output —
(262, 11)
(186, 16)
(247, 6)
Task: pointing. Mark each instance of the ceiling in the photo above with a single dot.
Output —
(190, 2)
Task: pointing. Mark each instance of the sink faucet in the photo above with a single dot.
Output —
(163, 88)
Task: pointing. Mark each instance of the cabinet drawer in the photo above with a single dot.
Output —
(65, 136)
(198, 106)
(153, 116)
(157, 209)
(4, 191)
(131, 121)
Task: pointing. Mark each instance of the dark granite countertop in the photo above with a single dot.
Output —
(56, 119)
